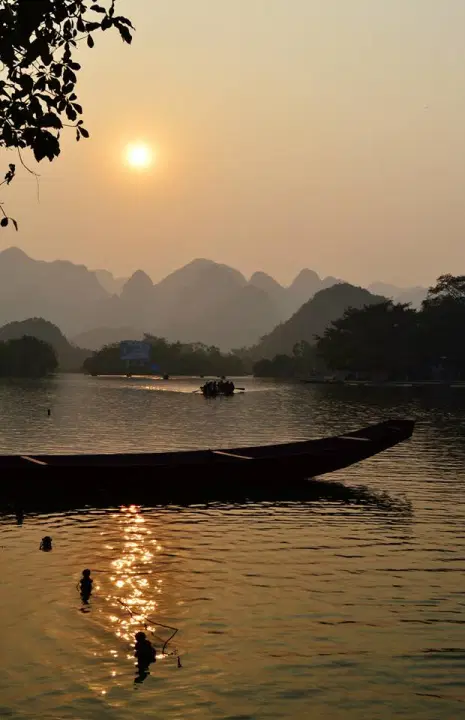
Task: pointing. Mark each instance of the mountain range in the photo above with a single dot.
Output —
(203, 301)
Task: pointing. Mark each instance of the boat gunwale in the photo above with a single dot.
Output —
(378, 434)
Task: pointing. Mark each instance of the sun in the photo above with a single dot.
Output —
(139, 156)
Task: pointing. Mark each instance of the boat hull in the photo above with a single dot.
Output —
(191, 476)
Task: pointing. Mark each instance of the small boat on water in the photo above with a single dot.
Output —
(213, 389)
(188, 476)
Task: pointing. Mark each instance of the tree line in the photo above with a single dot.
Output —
(168, 358)
(389, 340)
(27, 357)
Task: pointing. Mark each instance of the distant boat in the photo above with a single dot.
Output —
(189, 476)
(223, 388)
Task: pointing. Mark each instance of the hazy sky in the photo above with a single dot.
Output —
(289, 133)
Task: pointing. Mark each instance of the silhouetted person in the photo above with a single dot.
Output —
(46, 543)
(145, 654)
(85, 585)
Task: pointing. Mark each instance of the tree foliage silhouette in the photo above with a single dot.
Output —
(38, 72)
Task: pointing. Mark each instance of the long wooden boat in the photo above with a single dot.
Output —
(189, 476)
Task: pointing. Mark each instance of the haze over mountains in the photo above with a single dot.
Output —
(203, 301)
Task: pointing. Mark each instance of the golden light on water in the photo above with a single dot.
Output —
(139, 156)
(129, 587)
(133, 591)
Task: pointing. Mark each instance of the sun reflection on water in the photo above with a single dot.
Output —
(133, 587)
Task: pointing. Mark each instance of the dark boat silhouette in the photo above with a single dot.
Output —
(190, 476)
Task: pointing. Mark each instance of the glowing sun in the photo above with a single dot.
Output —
(139, 156)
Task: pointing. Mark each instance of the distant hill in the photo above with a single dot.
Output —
(70, 357)
(111, 284)
(63, 293)
(214, 304)
(313, 318)
(99, 337)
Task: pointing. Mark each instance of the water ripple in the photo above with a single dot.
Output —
(352, 605)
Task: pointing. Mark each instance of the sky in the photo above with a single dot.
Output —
(327, 134)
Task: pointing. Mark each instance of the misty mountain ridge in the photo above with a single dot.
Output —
(312, 319)
(202, 301)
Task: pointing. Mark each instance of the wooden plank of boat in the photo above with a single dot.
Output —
(32, 460)
(350, 437)
(233, 455)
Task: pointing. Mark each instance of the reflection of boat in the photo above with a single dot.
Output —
(199, 475)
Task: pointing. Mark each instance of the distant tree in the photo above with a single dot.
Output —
(282, 366)
(380, 338)
(70, 357)
(172, 358)
(27, 357)
(447, 287)
(38, 40)
(305, 359)
(442, 319)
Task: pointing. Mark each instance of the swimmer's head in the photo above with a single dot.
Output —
(140, 636)
(86, 573)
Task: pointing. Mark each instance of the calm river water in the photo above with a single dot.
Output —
(320, 610)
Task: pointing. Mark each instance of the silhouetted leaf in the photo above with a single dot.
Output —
(26, 82)
(46, 145)
(120, 20)
(4, 222)
(41, 83)
(69, 76)
(125, 34)
(98, 8)
(90, 41)
(54, 85)
(71, 113)
(84, 132)
(50, 120)
(15, 224)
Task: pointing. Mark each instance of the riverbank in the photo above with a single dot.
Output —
(396, 383)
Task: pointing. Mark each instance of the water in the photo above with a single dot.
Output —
(323, 609)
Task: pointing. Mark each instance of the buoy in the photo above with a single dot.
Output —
(49, 412)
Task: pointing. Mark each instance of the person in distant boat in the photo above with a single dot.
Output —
(85, 585)
(46, 543)
(211, 388)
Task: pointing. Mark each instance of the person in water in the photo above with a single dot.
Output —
(46, 543)
(85, 585)
(144, 651)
